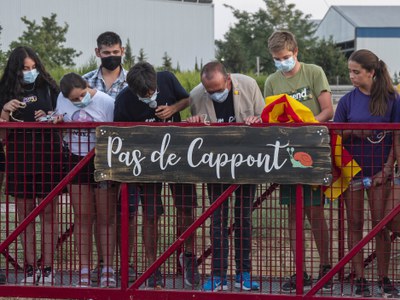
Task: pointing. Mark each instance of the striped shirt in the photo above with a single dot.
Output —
(96, 81)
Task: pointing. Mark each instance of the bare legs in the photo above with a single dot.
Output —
(377, 198)
(49, 231)
(84, 198)
(319, 229)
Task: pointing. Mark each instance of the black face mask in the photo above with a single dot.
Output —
(111, 62)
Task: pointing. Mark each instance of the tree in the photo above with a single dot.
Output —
(196, 65)
(329, 57)
(90, 65)
(129, 59)
(167, 62)
(47, 40)
(142, 56)
(2, 54)
(248, 37)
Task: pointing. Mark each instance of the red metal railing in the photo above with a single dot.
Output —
(270, 243)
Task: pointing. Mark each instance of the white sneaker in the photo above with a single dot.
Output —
(32, 275)
(107, 279)
(47, 276)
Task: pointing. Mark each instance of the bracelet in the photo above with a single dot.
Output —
(6, 111)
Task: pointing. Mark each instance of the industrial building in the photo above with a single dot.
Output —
(182, 29)
(376, 28)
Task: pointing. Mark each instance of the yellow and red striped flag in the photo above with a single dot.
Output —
(285, 109)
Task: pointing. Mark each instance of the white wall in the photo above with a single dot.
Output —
(333, 24)
(183, 30)
(387, 49)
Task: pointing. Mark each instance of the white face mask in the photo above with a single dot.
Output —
(150, 101)
(286, 65)
(220, 97)
(84, 102)
(30, 76)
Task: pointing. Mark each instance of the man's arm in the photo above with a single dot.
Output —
(325, 101)
(165, 112)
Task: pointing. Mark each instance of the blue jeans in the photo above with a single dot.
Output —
(219, 229)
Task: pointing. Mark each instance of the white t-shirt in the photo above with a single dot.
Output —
(100, 109)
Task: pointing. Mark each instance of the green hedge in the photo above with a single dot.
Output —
(189, 80)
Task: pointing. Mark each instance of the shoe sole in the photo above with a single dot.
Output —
(326, 289)
(387, 295)
(362, 296)
(218, 289)
(305, 288)
(241, 286)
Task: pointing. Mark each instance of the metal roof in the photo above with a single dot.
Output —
(370, 16)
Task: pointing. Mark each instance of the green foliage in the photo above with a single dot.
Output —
(260, 80)
(129, 58)
(58, 72)
(142, 56)
(396, 78)
(327, 55)
(167, 62)
(90, 65)
(47, 40)
(248, 38)
(189, 80)
(2, 54)
(196, 65)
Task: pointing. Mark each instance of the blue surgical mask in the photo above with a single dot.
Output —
(220, 97)
(286, 65)
(30, 76)
(150, 101)
(84, 102)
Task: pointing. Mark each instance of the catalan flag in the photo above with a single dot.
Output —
(285, 109)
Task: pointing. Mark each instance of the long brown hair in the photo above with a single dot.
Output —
(382, 90)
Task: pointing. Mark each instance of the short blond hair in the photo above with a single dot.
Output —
(281, 40)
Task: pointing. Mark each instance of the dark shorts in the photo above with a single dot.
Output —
(149, 195)
(133, 200)
(33, 164)
(313, 195)
(86, 174)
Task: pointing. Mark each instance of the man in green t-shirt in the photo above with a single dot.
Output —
(308, 84)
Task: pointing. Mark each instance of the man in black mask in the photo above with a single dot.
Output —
(110, 78)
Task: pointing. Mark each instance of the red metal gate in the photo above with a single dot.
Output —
(272, 259)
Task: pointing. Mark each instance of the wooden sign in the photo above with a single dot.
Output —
(214, 154)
